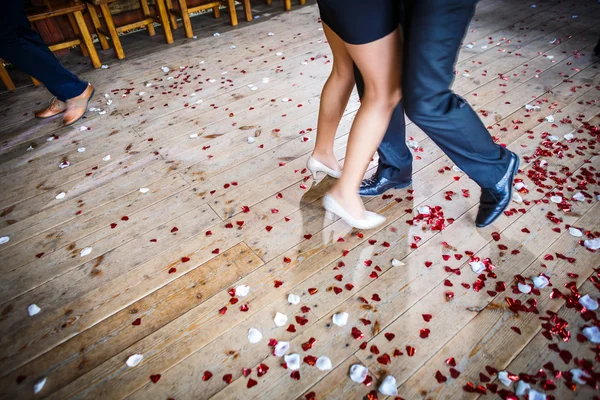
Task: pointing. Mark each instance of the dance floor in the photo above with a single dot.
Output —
(177, 224)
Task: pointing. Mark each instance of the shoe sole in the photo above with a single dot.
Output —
(394, 187)
(86, 107)
(515, 172)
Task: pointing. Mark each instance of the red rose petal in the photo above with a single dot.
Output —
(172, 270)
(312, 291)
(251, 383)
(155, 378)
(277, 284)
(137, 322)
(185, 259)
(389, 336)
(440, 377)
(227, 378)
(427, 317)
(207, 375)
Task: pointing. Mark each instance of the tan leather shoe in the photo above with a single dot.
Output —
(56, 107)
(77, 106)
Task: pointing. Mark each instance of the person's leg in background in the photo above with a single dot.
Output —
(23, 47)
(433, 34)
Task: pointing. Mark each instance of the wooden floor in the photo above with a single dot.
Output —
(178, 210)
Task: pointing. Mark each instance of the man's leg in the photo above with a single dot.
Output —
(433, 34)
(23, 47)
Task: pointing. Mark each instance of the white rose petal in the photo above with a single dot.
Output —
(85, 252)
(397, 263)
(530, 107)
(466, 75)
(81, 149)
(569, 136)
(281, 348)
(144, 190)
(254, 336)
(64, 164)
(517, 197)
(61, 195)
(358, 373)
(592, 334)
(33, 309)
(51, 138)
(503, 377)
(340, 319)
(324, 363)
(543, 163)
(549, 118)
(106, 158)
(193, 136)
(242, 290)
(578, 374)
(456, 169)
(592, 244)
(270, 34)
(554, 138)
(533, 395)
(251, 140)
(165, 69)
(556, 199)
(83, 128)
(540, 282)
(280, 319)
(216, 34)
(292, 361)
(425, 210)
(279, 53)
(285, 99)
(109, 102)
(575, 232)
(389, 387)
(30, 148)
(520, 185)
(39, 385)
(413, 144)
(524, 288)
(293, 299)
(4, 239)
(212, 80)
(265, 80)
(579, 196)
(254, 88)
(104, 66)
(134, 360)
(233, 46)
(522, 388)
(588, 302)
(469, 46)
(477, 266)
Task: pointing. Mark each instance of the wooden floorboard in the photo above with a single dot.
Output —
(220, 212)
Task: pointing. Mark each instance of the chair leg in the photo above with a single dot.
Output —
(248, 10)
(112, 31)
(302, 2)
(146, 10)
(287, 5)
(96, 21)
(185, 16)
(35, 82)
(170, 12)
(77, 34)
(5, 78)
(216, 12)
(269, 2)
(164, 20)
(232, 12)
(87, 39)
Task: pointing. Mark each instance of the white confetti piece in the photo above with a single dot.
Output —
(193, 136)
(83, 128)
(569, 136)
(216, 34)
(279, 53)
(543, 163)
(579, 196)
(324, 363)
(588, 302)
(281, 348)
(254, 88)
(522, 388)
(425, 210)
(592, 244)
(530, 107)
(340, 319)
(465, 75)
(592, 334)
(233, 46)
(413, 144)
(575, 232)
(165, 69)
(292, 361)
(254, 336)
(29, 148)
(265, 80)
(144, 190)
(51, 138)
(477, 266)
(39, 385)
(358, 373)
(85, 251)
(194, 37)
(520, 185)
(106, 158)
(534, 395)
(455, 168)
(556, 199)
(242, 290)
(104, 66)
(579, 374)
(60, 196)
(540, 282)
(517, 198)
(388, 387)
(293, 299)
(33, 309)
(549, 118)
(270, 34)
(469, 46)
(109, 102)
(397, 263)
(170, 78)
(251, 140)
(524, 288)
(280, 319)
(134, 360)
(212, 80)
(285, 99)
(553, 138)
(4, 239)
(81, 150)
(64, 164)
(503, 377)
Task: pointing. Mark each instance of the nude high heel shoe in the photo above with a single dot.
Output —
(369, 221)
(315, 166)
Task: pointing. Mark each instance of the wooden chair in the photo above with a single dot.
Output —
(5, 77)
(73, 10)
(287, 4)
(184, 12)
(101, 7)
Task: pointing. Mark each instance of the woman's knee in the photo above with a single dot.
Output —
(385, 98)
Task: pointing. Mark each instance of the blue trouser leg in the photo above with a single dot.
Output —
(23, 47)
(395, 159)
(433, 33)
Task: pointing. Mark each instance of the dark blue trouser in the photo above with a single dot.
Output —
(433, 31)
(23, 47)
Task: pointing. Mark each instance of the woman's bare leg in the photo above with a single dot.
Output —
(380, 66)
(334, 98)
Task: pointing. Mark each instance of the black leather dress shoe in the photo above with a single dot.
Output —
(378, 185)
(494, 200)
